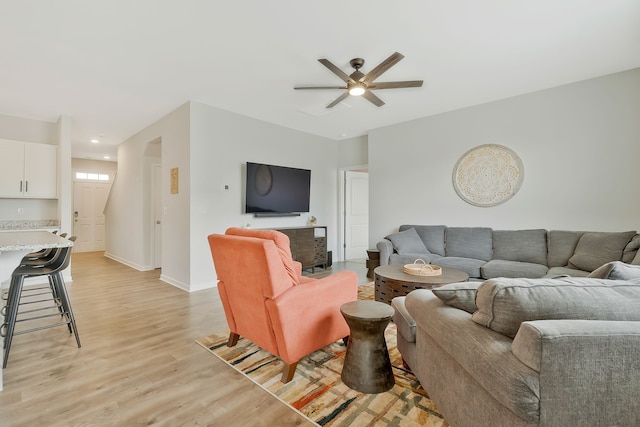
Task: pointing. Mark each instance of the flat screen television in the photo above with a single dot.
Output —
(276, 190)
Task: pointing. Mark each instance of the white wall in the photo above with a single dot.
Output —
(211, 147)
(579, 143)
(221, 143)
(127, 220)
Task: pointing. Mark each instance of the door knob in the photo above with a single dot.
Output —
(157, 221)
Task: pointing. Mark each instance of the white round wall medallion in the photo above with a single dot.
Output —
(488, 175)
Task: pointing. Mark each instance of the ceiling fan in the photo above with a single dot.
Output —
(360, 84)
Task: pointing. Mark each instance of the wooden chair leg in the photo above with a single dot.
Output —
(288, 372)
(233, 339)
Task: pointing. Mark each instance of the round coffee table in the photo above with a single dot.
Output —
(367, 367)
(391, 281)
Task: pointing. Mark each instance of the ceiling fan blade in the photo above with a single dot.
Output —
(338, 100)
(337, 71)
(382, 67)
(395, 85)
(320, 87)
(372, 98)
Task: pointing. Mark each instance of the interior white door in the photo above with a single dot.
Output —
(157, 216)
(89, 200)
(356, 221)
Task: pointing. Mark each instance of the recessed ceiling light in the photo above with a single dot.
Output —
(95, 141)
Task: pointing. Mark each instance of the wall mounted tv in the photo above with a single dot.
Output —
(276, 190)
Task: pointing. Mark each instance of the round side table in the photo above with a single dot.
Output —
(367, 367)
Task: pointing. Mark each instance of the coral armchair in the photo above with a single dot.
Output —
(268, 301)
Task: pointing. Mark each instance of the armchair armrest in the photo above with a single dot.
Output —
(385, 247)
(311, 310)
(589, 369)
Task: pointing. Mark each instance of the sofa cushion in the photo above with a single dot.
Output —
(561, 245)
(631, 250)
(407, 241)
(468, 265)
(401, 259)
(499, 268)
(520, 245)
(469, 242)
(636, 260)
(503, 304)
(616, 270)
(459, 295)
(432, 236)
(597, 248)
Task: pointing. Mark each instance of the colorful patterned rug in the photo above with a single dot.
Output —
(317, 392)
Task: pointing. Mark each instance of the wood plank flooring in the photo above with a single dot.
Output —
(139, 364)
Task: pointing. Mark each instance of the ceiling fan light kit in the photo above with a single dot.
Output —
(360, 84)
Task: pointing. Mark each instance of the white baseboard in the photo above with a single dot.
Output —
(128, 263)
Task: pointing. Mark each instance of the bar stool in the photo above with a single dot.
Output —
(33, 291)
(53, 269)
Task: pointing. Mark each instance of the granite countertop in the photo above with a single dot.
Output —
(31, 240)
(26, 224)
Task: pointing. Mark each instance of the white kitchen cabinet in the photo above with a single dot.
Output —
(28, 170)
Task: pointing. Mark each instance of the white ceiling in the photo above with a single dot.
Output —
(117, 66)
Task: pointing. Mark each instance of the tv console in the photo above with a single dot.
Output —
(308, 245)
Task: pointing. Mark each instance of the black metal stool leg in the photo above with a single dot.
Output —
(61, 289)
(12, 314)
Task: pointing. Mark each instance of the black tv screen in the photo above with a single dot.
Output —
(272, 190)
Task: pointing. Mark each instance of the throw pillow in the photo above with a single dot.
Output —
(631, 249)
(407, 242)
(503, 304)
(598, 248)
(459, 295)
(616, 270)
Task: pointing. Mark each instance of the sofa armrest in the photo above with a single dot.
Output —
(385, 247)
(589, 369)
(403, 320)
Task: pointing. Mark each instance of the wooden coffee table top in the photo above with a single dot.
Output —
(396, 272)
(391, 281)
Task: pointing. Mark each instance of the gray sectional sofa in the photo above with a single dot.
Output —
(528, 352)
(484, 253)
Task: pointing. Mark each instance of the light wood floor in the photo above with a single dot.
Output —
(139, 364)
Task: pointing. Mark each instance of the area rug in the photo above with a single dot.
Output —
(317, 391)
